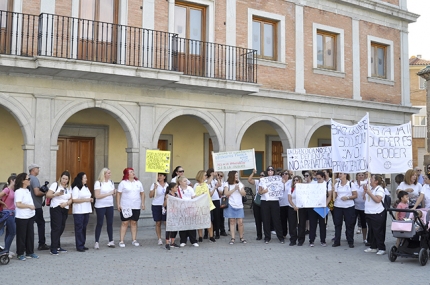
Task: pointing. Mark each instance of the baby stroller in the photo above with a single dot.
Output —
(4, 255)
(414, 235)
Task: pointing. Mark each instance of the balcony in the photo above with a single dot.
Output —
(77, 48)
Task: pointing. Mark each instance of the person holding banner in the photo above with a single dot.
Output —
(234, 190)
(157, 192)
(172, 190)
(187, 193)
(256, 208)
(284, 203)
(130, 200)
(270, 205)
(412, 187)
(202, 188)
(293, 212)
(215, 188)
(178, 172)
(344, 209)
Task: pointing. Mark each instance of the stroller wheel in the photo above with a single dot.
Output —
(392, 255)
(423, 256)
(4, 259)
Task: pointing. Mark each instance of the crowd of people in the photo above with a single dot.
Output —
(351, 202)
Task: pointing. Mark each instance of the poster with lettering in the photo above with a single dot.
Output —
(234, 160)
(390, 148)
(349, 146)
(187, 214)
(313, 158)
(311, 195)
(157, 161)
(274, 185)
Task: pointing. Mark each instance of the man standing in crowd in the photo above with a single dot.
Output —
(37, 196)
(420, 177)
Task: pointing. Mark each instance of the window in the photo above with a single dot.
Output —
(189, 24)
(326, 50)
(422, 82)
(264, 38)
(419, 120)
(378, 60)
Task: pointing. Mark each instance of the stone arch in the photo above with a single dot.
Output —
(315, 127)
(205, 118)
(277, 124)
(21, 115)
(123, 118)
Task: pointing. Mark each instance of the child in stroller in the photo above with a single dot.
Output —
(4, 255)
(412, 233)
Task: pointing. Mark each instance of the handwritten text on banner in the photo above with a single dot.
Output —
(188, 214)
(309, 158)
(234, 160)
(157, 161)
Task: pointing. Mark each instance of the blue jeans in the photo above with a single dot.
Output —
(101, 213)
(10, 229)
(81, 222)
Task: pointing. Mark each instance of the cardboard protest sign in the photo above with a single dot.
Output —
(274, 185)
(157, 161)
(390, 148)
(311, 195)
(188, 214)
(234, 160)
(349, 146)
(314, 158)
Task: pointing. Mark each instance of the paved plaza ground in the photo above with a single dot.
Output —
(212, 263)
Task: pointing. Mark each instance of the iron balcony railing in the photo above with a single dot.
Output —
(73, 38)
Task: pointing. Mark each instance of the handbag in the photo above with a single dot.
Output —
(257, 200)
(224, 202)
(127, 212)
(244, 199)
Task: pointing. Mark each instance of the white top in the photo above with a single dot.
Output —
(174, 180)
(257, 183)
(84, 193)
(266, 196)
(235, 199)
(413, 196)
(58, 200)
(370, 206)
(341, 191)
(426, 191)
(130, 194)
(292, 194)
(283, 201)
(186, 194)
(359, 201)
(104, 187)
(24, 196)
(160, 193)
(212, 186)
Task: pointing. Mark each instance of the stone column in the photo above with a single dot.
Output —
(425, 73)
(230, 131)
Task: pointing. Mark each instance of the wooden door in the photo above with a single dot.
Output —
(163, 144)
(76, 155)
(277, 159)
(211, 149)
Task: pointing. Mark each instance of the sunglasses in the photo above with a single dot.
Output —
(306, 175)
(220, 176)
(181, 171)
(270, 169)
(262, 175)
(28, 178)
(284, 173)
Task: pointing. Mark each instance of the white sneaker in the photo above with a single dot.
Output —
(96, 245)
(195, 244)
(135, 243)
(121, 244)
(12, 254)
(365, 241)
(371, 250)
(273, 232)
(380, 252)
(111, 244)
(182, 244)
(358, 231)
(160, 242)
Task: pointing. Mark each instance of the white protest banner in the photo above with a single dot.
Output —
(234, 160)
(313, 158)
(349, 146)
(188, 214)
(390, 148)
(311, 195)
(274, 185)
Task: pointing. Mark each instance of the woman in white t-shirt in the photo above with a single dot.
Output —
(104, 190)
(284, 203)
(24, 218)
(82, 200)
(216, 189)
(187, 193)
(412, 187)
(130, 200)
(344, 209)
(60, 193)
(157, 192)
(424, 198)
(178, 172)
(375, 215)
(234, 190)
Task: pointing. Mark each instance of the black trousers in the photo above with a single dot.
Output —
(303, 216)
(216, 217)
(314, 220)
(58, 223)
(221, 220)
(292, 222)
(24, 236)
(347, 215)
(376, 227)
(284, 219)
(270, 212)
(40, 221)
(183, 235)
(256, 209)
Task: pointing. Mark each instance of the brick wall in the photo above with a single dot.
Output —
(31, 7)
(418, 96)
(63, 7)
